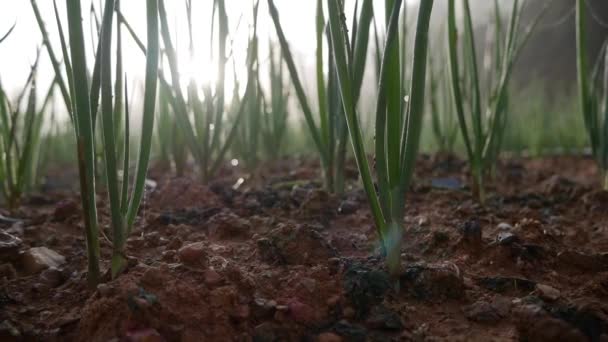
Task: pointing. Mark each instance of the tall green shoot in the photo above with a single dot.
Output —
(388, 203)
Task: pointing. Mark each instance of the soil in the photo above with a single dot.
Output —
(276, 258)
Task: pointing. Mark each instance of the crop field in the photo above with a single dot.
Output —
(320, 170)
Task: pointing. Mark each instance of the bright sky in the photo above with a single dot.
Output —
(18, 51)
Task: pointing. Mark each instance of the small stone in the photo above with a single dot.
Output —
(7, 271)
(547, 292)
(212, 278)
(309, 284)
(384, 318)
(434, 281)
(446, 183)
(505, 227)
(300, 312)
(482, 312)
(471, 234)
(174, 243)
(264, 309)
(104, 290)
(38, 259)
(348, 312)
(583, 261)
(268, 332)
(506, 284)
(329, 337)
(506, 238)
(52, 277)
(155, 276)
(333, 301)
(169, 255)
(241, 313)
(144, 335)
(64, 210)
(423, 221)
(348, 207)
(9, 247)
(535, 324)
(193, 254)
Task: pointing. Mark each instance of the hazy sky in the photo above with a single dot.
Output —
(18, 52)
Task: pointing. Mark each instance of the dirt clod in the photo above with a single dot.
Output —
(38, 259)
(433, 281)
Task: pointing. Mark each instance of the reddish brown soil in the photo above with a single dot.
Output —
(279, 259)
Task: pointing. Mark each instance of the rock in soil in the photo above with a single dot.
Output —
(348, 207)
(9, 247)
(300, 312)
(535, 325)
(483, 312)
(433, 282)
(329, 337)
(65, 209)
(381, 317)
(269, 332)
(365, 287)
(506, 284)
(295, 245)
(144, 335)
(38, 259)
(52, 277)
(227, 225)
(471, 234)
(547, 292)
(583, 261)
(350, 332)
(194, 254)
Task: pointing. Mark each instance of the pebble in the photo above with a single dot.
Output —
(144, 335)
(9, 247)
(268, 332)
(212, 278)
(423, 221)
(38, 259)
(264, 309)
(193, 254)
(348, 207)
(482, 312)
(65, 209)
(471, 233)
(434, 281)
(52, 277)
(333, 301)
(547, 292)
(384, 318)
(348, 312)
(104, 290)
(505, 227)
(309, 284)
(329, 337)
(300, 312)
(241, 313)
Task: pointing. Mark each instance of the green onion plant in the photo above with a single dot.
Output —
(202, 122)
(86, 92)
(593, 94)
(482, 100)
(396, 149)
(20, 136)
(440, 106)
(330, 133)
